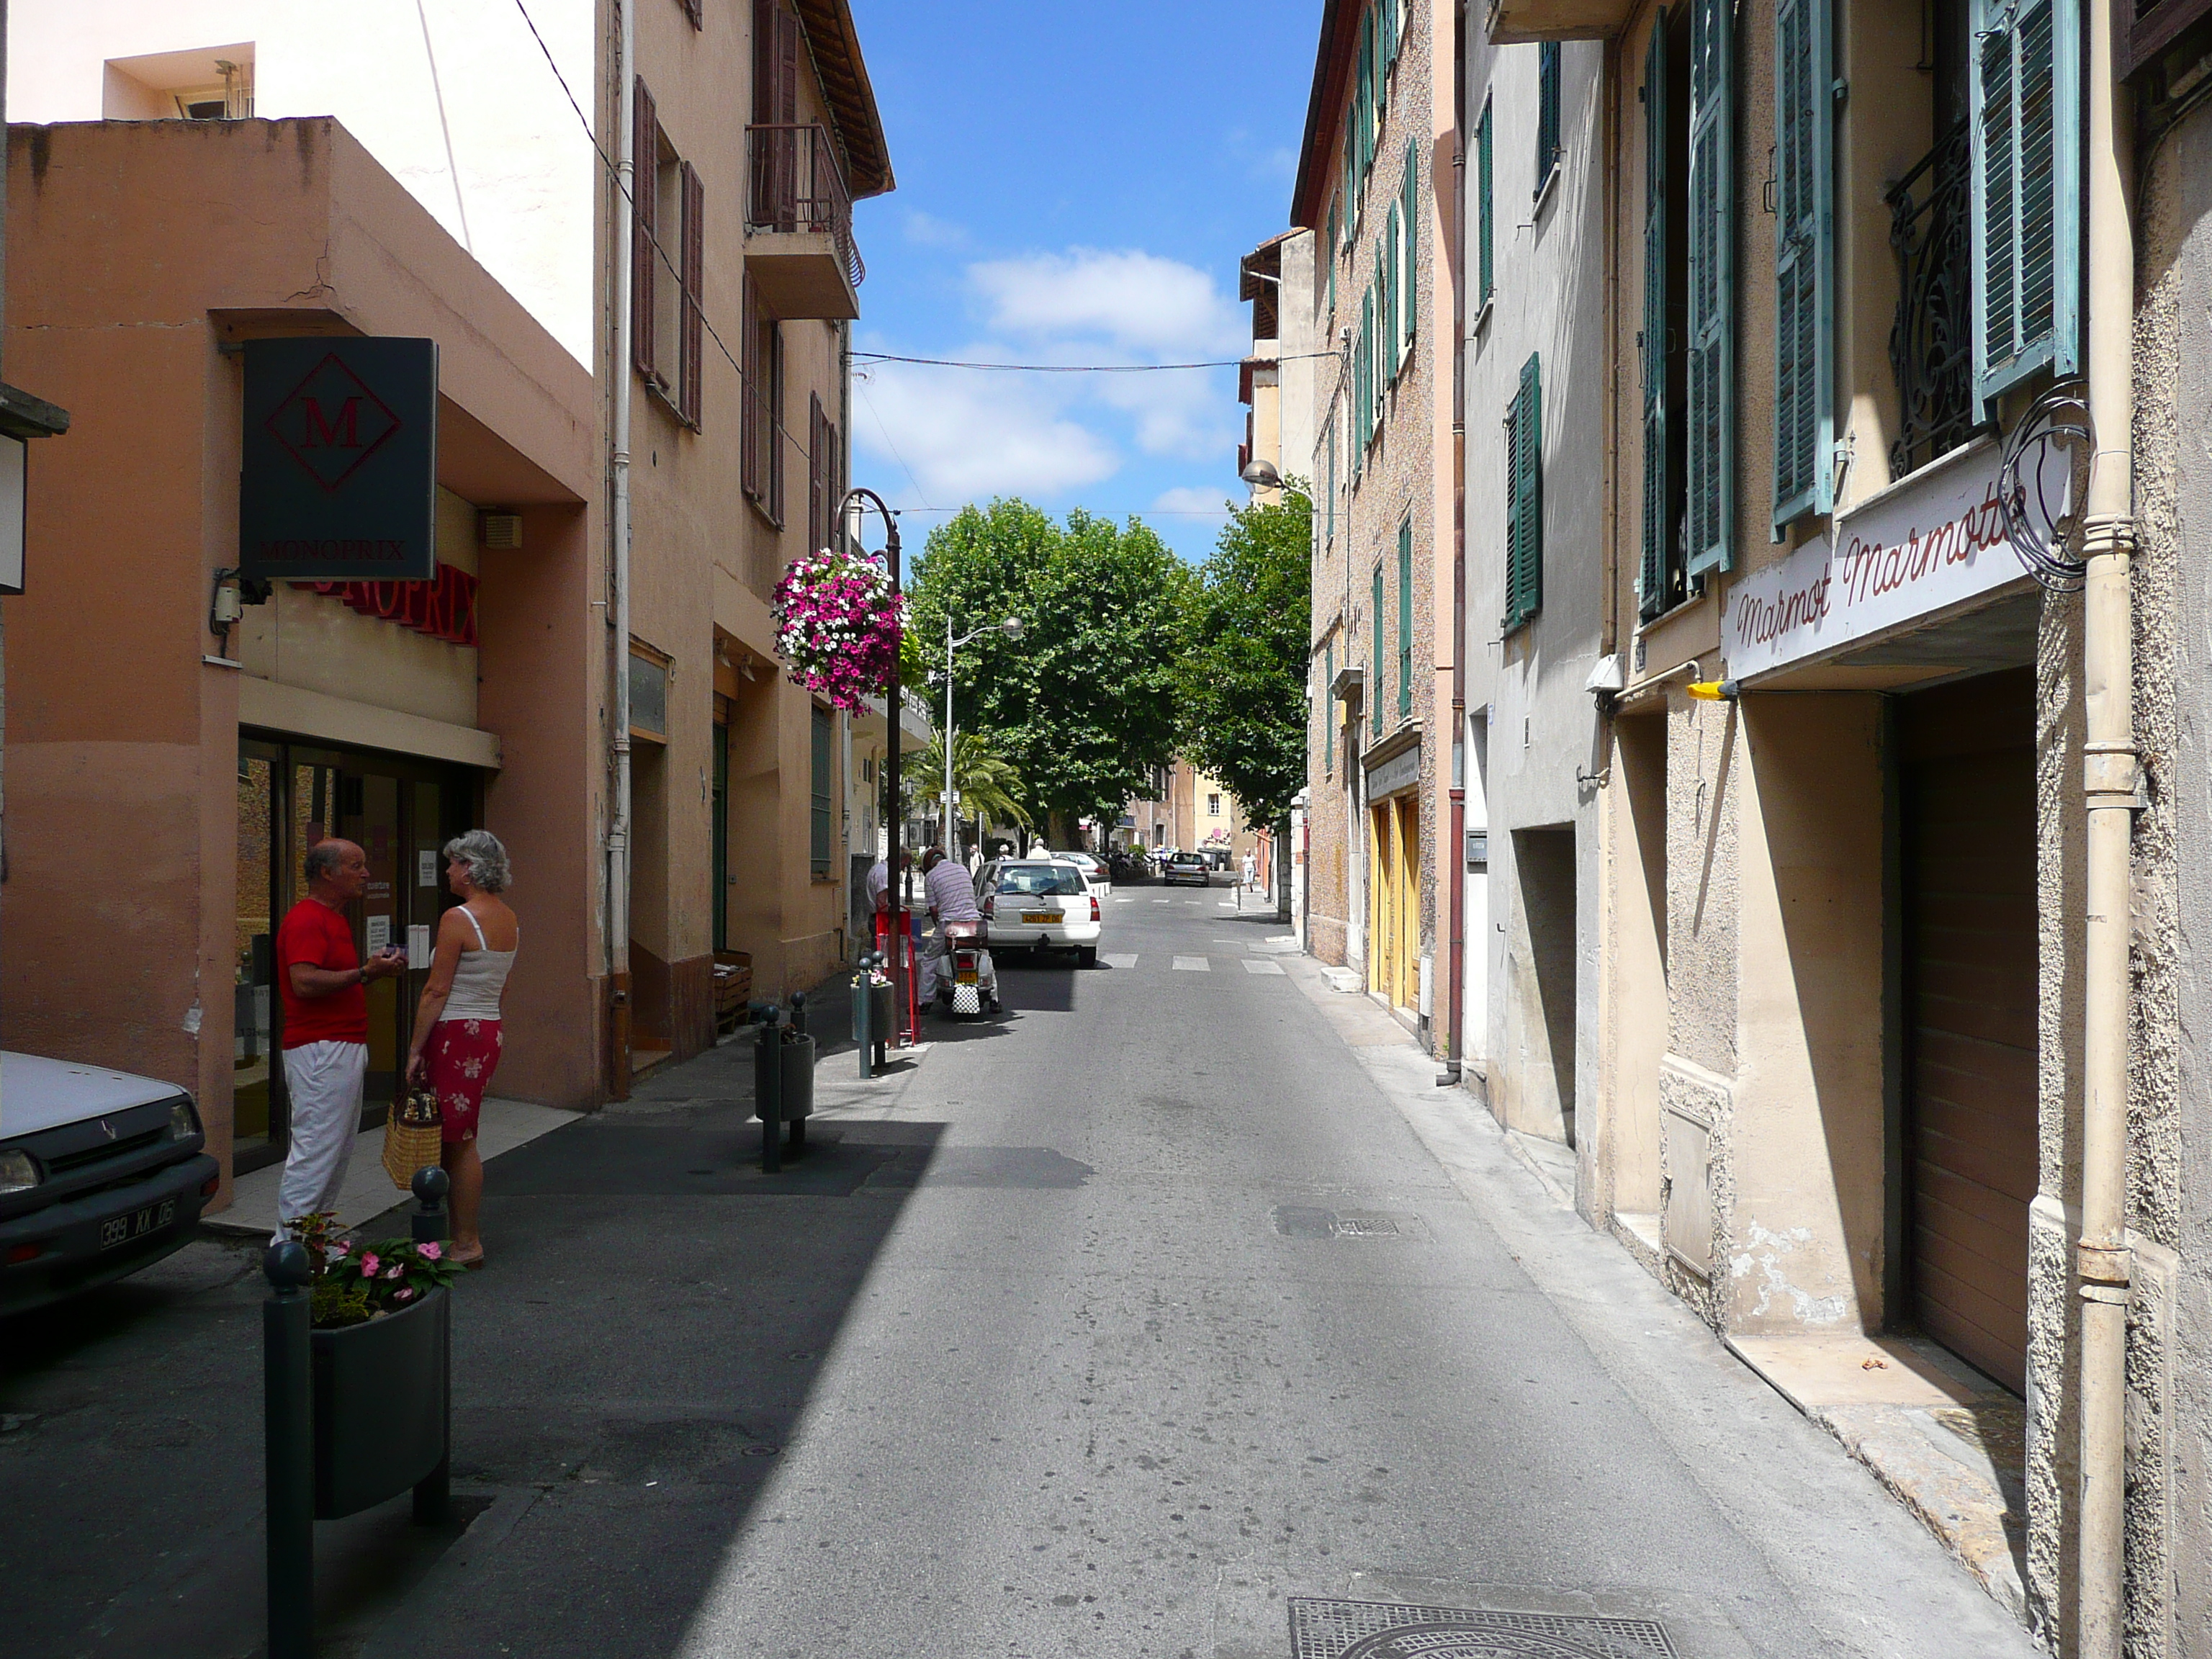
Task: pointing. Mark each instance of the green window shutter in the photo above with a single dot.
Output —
(1374, 679)
(1409, 307)
(1548, 110)
(1386, 47)
(1804, 299)
(1485, 269)
(2026, 102)
(1405, 620)
(1329, 709)
(1652, 588)
(1390, 295)
(1329, 252)
(1524, 512)
(1711, 346)
(1328, 508)
(1380, 347)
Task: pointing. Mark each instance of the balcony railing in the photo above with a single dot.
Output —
(798, 186)
(1931, 344)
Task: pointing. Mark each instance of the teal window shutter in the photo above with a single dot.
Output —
(1652, 586)
(1328, 506)
(1405, 620)
(1329, 709)
(1524, 495)
(1804, 297)
(1711, 346)
(1409, 306)
(1390, 297)
(1386, 47)
(1375, 680)
(1547, 110)
(1486, 269)
(2026, 102)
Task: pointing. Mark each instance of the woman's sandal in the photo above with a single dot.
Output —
(470, 1262)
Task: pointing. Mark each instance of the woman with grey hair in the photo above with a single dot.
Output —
(457, 1027)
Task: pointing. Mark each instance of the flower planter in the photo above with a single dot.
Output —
(798, 1054)
(382, 1405)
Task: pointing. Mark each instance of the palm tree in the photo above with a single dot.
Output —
(988, 786)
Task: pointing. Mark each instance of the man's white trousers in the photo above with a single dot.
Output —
(324, 1080)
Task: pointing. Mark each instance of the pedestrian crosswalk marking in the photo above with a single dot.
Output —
(1261, 965)
(1118, 959)
(1193, 964)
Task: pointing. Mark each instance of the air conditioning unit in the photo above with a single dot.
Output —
(501, 531)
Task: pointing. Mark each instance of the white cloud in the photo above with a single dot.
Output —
(969, 436)
(1138, 302)
(927, 230)
(1194, 499)
(1189, 414)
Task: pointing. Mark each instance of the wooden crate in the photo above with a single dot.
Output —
(733, 987)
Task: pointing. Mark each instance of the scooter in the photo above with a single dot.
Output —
(975, 981)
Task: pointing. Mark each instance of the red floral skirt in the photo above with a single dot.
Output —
(459, 1060)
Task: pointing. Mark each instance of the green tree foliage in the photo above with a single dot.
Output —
(984, 779)
(1084, 703)
(1243, 680)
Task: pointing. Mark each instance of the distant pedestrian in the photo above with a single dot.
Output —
(1251, 869)
(319, 977)
(459, 1033)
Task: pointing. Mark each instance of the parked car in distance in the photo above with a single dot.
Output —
(102, 1173)
(1185, 866)
(1038, 905)
(1101, 879)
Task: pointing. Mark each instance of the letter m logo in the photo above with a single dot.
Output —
(332, 422)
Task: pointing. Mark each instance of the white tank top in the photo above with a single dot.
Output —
(478, 977)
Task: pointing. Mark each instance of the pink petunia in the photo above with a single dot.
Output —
(430, 1252)
(369, 1263)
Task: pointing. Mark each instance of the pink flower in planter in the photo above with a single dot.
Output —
(395, 1270)
(430, 1252)
(369, 1263)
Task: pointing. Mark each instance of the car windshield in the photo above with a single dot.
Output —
(1041, 879)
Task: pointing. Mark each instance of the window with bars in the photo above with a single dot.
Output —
(2025, 96)
(821, 799)
(1548, 111)
(1524, 497)
(1804, 298)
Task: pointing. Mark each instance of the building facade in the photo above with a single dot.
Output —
(1374, 188)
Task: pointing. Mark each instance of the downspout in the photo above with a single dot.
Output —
(625, 239)
(2109, 780)
(1455, 262)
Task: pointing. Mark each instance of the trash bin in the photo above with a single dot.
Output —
(798, 1054)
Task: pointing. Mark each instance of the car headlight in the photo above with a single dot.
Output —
(184, 1122)
(17, 1172)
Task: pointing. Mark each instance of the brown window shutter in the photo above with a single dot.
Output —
(696, 11)
(786, 66)
(750, 394)
(694, 277)
(772, 428)
(645, 141)
(817, 455)
(763, 61)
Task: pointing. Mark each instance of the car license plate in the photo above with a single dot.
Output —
(1039, 918)
(137, 1224)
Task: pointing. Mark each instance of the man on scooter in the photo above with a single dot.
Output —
(950, 896)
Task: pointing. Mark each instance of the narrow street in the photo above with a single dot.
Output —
(1104, 1328)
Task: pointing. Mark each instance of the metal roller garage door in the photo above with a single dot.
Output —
(1966, 755)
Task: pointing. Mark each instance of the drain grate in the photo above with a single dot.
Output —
(1324, 1629)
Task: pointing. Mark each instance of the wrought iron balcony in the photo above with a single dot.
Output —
(1931, 344)
(799, 223)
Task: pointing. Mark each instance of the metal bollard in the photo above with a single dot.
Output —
(431, 1184)
(861, 1041)
(767, 1079)
(798, 1012)
(289, 1429)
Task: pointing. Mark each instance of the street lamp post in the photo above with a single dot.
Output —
(1011, 628)
(855, 499)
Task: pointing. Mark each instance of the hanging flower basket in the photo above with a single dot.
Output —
(837, 627)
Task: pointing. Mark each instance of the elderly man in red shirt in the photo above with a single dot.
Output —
(320, 977)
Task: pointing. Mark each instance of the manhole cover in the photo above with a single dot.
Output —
(1323, 1629)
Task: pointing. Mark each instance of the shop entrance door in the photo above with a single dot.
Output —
(290, 796)
(1966, 765)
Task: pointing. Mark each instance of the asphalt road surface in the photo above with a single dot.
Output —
(1175, 1312)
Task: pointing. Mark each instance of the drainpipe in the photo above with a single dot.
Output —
(2109, 780)
(624, 238)
(1455, 852)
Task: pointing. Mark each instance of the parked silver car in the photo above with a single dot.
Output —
(102, 1173)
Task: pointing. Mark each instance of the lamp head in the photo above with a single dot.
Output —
(1011, 628)
(1261, 475)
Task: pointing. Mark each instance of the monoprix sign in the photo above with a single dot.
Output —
(339, 474)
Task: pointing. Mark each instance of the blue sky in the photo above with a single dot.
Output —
(1076, 184)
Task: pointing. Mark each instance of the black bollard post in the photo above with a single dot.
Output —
(288, 1429)
(768, 1083)
(431, 1184)
(861, 1042)
(798, 1012)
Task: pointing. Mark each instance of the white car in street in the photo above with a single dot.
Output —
(1040, 905)
(1101, 883)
